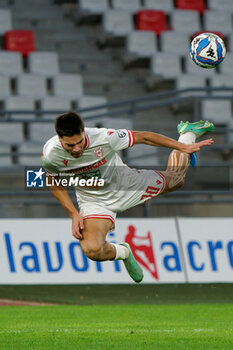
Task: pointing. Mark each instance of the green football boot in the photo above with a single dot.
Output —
(132, 266)
(198, 128)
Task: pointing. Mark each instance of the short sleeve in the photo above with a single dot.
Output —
(120, 139)
(49, 168)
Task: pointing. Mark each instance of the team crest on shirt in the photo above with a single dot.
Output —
(65, 162)
(121, 133)
(99, 152)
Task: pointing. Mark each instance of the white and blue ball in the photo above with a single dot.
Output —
(207, 50)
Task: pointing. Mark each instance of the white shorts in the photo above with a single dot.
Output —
(154, 183)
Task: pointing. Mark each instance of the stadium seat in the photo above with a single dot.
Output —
(41, 132)
(185, 21)
(174, 42)
(126, 5)
(19, 103)
(151, 20)
(11, 133)
(141, 43)
(142, 155)
(226, 66)
(223, 5)
(161, 5)
(219, 21)
(43, 63)
(11, 63)
(68, 85)
(54, 103)
(230, 42)
(20, 40)
(186, 81)
(167, 66)
(93, 6)
(4, 87)
(31, 85)
(30, 159)
(192, 68)
(5, 160)
(222, 80)
(217, 111)
(5, 21)
(92, 101)
(197, 5)
(118, 23)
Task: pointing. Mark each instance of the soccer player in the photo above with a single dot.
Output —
(92, 152)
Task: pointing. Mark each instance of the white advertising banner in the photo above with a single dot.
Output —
(43, 251)
(207, 244)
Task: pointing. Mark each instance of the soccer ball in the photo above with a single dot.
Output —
(207, 50)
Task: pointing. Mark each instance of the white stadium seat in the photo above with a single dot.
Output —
(41, 132)
(54, 103)
(11, 133)
(226, 66)
(127, 5)
(30, 148)
(11, 63)
(118, 23)
(93, 6)
(222, 80)
(185, 21)
(167, 66)
(141, 43)
(161, 5)
(68, 85)
(142, 155)
(174, 42)
(5, 160)
(43, 63)
(4, 87)
(185, 81)
(5, 21)
(217, 111)
(223, 5)
(218, 21)
(31, 85)
(92, 101)
(20, 103)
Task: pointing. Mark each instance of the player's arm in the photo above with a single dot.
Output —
(154, 139)
(60, 193)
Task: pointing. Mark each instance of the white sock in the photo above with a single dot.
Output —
(187, 138)
(121, 252)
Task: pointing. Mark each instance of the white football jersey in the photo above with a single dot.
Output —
(123, 187)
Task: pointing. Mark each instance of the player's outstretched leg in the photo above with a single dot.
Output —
(198, 129)
(178, 162)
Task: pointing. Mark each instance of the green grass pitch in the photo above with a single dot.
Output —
(171, 317)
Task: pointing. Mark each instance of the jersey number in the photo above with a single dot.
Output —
(150, 192)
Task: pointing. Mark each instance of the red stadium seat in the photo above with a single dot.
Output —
(206, 31)
(20, 40)
(198, 5)
(151, 20)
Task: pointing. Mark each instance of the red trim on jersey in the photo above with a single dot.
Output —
(164, 180)
(87, 144)
(99, 216)
(130, 137)
(133, 138)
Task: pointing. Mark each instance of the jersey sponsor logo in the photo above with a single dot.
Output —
(87, 168)
(65, 162)
(142, 249)
(121, 133)
(99, 152)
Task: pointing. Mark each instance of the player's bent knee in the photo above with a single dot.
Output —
(92, 251)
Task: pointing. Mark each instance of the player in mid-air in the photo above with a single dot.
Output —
(92, 152)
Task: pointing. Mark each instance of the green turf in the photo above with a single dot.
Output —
(117, 327)
(123, 294)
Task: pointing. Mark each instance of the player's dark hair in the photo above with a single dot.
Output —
(69, 124)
